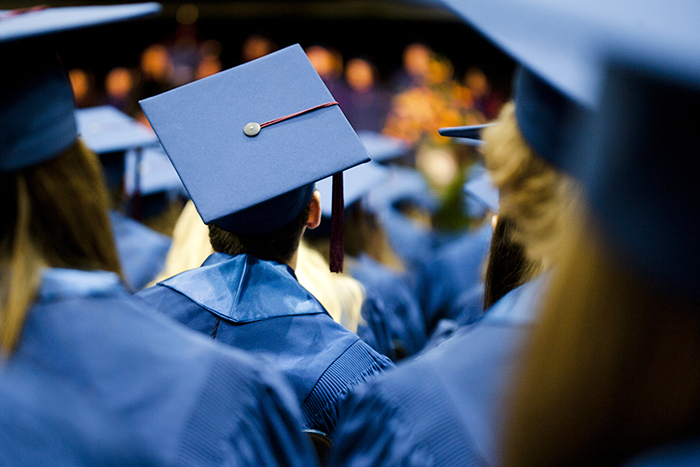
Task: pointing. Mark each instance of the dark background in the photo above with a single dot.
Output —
(374, 29)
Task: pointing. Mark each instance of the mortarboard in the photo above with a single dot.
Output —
(249, 142)
(357, 182)
(552, 87)
(383, 148)
(637, 159)
(36, 100)
(470, 134)
(153, 172)
(106, 129)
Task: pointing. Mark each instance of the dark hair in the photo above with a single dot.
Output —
(278, 245)
(54, 214)
(507, 266)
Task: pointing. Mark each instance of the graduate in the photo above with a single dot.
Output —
(248, 144)
(90, 375)
(445, 407)
(393, 320)
(110, 133)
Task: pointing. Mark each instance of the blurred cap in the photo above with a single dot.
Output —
(36, 99)
(470, 134)
(106, 129)
(153, 172)
(256, 183)
(383, 148)
(357, 182)
(638, 159)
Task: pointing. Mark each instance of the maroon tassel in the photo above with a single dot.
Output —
(337, 224)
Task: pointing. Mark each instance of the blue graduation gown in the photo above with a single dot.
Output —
(455, 268)
(394, 323)
(142, 251)
(443, 407)
(685, 453)
(260, 306)
(99, 379)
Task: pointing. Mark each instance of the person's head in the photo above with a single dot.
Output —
(532, 193)
(279, 245)
(248, 176)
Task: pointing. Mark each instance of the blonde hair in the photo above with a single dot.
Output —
(532, 193)
(613, 366)
(55, 215)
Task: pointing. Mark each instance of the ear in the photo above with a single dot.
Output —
(315, 214)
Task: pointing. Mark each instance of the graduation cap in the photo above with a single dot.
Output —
(36, 99)
(357, 182)
(555, 84)
(638, 157)
(470, 134)
(383, 148)
(110, 133)
(249, 143)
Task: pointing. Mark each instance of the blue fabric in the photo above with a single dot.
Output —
(100, 379)
(443, 407)
(455, 268)
(681, 454)
(142, 251)
(391, 310)
(259, 306)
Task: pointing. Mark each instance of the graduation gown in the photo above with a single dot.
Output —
(455, 268)
(98, 379)
(260, 306)
(394, 323)
(142, 251)
(442, 408)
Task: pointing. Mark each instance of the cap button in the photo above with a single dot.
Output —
(251, 129)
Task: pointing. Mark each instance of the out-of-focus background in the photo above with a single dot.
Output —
(401, 68)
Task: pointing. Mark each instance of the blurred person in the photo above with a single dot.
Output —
(446, 406)
(111, 134)
(257, 207)
(393, 319)
(328, 63)
(415, 67)
(83, 86)
(368, 103)
(156, 71)
(120, 88)
(90, 376)
(483, 98)
(209, 59)
(611, 373)
(256, 46)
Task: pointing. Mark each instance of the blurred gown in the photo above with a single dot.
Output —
(142, 251)
(99, 379)
(260, 306)
(393, 320)
(443, 407)
(454, 270)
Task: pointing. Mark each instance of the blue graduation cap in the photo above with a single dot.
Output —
(357, 182)
(249, 142)
(470, 134)
(556, 83)
(36, 99)
(153, 172)
(383, 148)
(638, 157)
(106, 129)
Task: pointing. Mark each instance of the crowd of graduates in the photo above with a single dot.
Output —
(292, 261)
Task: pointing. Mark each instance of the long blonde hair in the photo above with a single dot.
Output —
(532, 193)
(613, 366)
(54, 214)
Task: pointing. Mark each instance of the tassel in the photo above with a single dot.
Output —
(337, 225)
